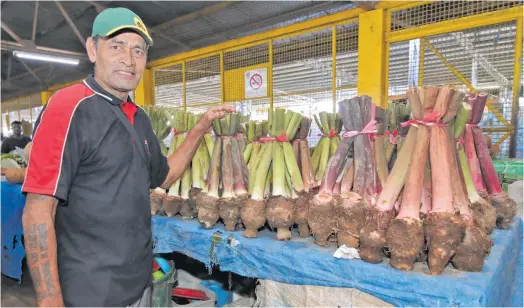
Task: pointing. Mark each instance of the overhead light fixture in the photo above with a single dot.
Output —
(45, 57)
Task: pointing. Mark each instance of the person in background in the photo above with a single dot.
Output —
(94, 159)
(16, 140)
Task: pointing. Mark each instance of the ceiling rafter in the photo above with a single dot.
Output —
(12, 33)
(71, 23)
(35, 19)
(31, 72)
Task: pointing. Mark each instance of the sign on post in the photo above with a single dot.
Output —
(255, 83)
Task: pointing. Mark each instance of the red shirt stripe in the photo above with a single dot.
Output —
(45, 161)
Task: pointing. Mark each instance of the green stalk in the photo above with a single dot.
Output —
(174, 190)
(265, 129)
(461, 120)
(204, 160)
(315, 159)
(293, 125)
(270, 122)
(259, 130)
(261, 172)
(324, 157)
(254, 155)
(279, 123)
(473, 195)
(318, 124)
(227, 169)
(247, 152)
(224, 126)
(279, 170)
(239, 184)
(251, 131)
(333, 145)
(331, 121)
(209, 143)
(216, 127)
(287, 118)
(234, 118)
(292, 167)
(325, 122)
(458, 130)
(186, 183)
(290, 192)
(196, 168)
(267, 187)
(255, 161)
(214, 170)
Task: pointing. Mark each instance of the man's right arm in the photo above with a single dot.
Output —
(41, 248)
(56, 152)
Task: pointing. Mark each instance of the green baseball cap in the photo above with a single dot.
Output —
(112, 20)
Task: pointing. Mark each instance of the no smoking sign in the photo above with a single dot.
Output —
(255, 83)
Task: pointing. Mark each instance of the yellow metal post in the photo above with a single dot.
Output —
(371, 56)
(222, 84)
(184, 85)
(334, 66)
(270, 74)
(516, 88)
(45, 96)
(144, 90)
(421, 64)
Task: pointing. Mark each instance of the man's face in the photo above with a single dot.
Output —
(120, 60)
(17, 129)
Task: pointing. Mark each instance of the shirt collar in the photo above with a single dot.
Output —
(91, 83)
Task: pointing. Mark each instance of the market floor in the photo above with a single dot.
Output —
(16, 294)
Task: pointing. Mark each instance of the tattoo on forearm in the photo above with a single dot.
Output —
(37, 280)
(39, 263)
(32, 258)
(42, 234)
(48, 278)
(31, 237)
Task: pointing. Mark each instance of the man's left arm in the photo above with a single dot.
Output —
(181, 158)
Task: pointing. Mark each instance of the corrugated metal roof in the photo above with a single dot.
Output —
(234, 20)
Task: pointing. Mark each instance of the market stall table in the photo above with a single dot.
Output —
(300, 261)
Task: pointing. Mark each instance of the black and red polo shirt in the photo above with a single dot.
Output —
(83, 155)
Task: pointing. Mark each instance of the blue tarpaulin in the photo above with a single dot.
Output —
(300, 261)
(12, 247)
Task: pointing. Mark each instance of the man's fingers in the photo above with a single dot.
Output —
(226, 108)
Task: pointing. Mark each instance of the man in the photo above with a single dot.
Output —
(16, 140)
(87, 221)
